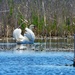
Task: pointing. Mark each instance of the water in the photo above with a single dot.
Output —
(37, 46)
(63, 43)
(35, 63)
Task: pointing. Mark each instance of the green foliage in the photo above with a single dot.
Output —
(41, 23)
(11, 6)
(0, 0)
(38, 21)
(54, 27)
(20, 21)
(58, 21)
(67, 21)
(34, 19)
(11, 10)
(73, 29)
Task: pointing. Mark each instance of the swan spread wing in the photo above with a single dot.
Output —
(18, 36)
(28, 37)
(29, 34)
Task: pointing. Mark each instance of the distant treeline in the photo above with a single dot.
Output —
(50, 17)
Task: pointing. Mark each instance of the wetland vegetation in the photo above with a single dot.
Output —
(50, 17)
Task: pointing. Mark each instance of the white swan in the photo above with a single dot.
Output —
(28, 37)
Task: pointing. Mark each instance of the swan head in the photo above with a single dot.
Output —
(31, 26)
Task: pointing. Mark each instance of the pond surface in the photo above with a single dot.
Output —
(48, 42)
(35, 63)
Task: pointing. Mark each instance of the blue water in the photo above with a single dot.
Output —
(36, 63)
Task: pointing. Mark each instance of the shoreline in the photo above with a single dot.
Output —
(14, 46)
(40, 48)
(52, 37)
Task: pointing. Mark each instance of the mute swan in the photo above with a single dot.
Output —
(28, 37)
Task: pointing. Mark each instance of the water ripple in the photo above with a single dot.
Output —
(12, 63)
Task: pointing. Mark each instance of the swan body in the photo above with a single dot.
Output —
(28, 37)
